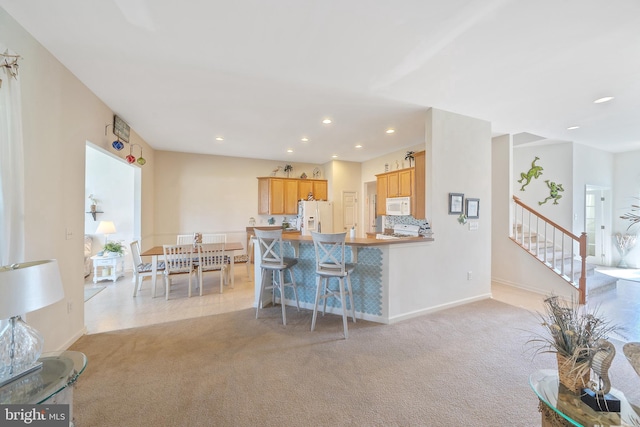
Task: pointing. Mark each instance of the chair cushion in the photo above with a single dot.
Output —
(147, 268)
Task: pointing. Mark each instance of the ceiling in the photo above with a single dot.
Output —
(264, 74)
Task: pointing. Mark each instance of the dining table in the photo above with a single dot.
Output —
(158, 251)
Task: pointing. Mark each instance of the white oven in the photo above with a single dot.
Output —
(399, 206)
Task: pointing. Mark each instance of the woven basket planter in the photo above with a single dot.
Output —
(574, 376)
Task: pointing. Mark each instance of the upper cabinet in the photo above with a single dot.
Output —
(408, 182)
(279, 196)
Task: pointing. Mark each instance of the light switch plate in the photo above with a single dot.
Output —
(473, 225)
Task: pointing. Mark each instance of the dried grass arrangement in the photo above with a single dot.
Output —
(573, 334)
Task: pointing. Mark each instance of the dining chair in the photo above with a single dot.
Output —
(178, 259)
(142, 269)
(184, 239)
(330, 263)
(211, 258)
(272, 260)
(219, 238)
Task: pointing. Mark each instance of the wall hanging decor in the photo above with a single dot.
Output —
(455, 203)
(121, 130)
(533, 173)
(554, 192)
(473, 208)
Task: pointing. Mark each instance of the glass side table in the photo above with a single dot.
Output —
(560, 407)
(51, 384)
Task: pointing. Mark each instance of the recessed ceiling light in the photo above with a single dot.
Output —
(335, 156)
(326, 121)
(289, 150)
(573, 127)
(359, 146)
(219, 138)
(305, 139)
(601, 100)
(391, 130)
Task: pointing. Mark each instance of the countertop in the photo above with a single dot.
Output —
(361, 241)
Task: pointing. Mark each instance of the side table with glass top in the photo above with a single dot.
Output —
(53, 384)
(560, 407)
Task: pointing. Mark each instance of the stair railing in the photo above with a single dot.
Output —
(551, 244)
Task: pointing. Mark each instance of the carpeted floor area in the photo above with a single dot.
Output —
(468, 365)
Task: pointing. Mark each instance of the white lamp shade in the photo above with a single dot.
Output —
(29, 286)
(106, 227)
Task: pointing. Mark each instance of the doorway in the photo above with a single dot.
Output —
(597, 218)
(350, 210)
(116, 186)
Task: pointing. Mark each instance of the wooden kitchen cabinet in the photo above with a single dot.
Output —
(381, 194)
(419, 206)
(320, 189)
(399, 183)
(279, 196)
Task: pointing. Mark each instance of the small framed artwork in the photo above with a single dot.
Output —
(455, 203)
(473, 208)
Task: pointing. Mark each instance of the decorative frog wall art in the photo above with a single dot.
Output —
(554, 192)
(534, 172)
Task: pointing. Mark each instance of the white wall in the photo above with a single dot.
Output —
(458, 160)
(557, 162)
(59, 115)
(626, 192)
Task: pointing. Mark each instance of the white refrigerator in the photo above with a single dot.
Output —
(315, 216)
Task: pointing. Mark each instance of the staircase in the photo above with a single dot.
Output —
(557, 248)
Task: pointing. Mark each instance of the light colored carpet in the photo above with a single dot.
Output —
(92, 291)
(468, 366)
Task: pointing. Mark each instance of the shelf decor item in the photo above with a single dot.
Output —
(573, 333)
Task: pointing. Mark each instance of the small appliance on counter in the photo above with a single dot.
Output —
(401, 231)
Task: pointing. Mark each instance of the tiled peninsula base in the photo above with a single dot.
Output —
(373, 281)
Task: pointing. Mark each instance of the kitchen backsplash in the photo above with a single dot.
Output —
(392, 220)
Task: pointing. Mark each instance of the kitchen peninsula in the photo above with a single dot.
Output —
(383, 282)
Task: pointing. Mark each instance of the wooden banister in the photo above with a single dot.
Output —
(581, 286)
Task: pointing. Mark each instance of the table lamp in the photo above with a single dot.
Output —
(24, 287)
(106, 228)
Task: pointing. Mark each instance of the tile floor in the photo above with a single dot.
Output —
(115, 308)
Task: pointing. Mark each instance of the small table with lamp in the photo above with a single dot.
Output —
(112, 267)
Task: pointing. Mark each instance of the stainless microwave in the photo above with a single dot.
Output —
(399, 206)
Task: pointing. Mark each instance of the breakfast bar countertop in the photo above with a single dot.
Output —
(361, 241)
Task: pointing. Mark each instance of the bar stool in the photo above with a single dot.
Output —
(330, 263)
(272, 259)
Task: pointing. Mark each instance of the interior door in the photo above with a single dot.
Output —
(349, 210)
(597, 220)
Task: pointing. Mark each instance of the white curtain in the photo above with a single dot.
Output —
(11, 162)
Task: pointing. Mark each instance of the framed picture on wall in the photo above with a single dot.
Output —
(473, 208)
(455, 203)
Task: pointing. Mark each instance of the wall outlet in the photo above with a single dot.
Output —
(69, 306)
(68, 233)
(469, 275)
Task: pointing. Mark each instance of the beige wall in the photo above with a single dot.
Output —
(210, 194)
(343, 176)
(59, 115)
